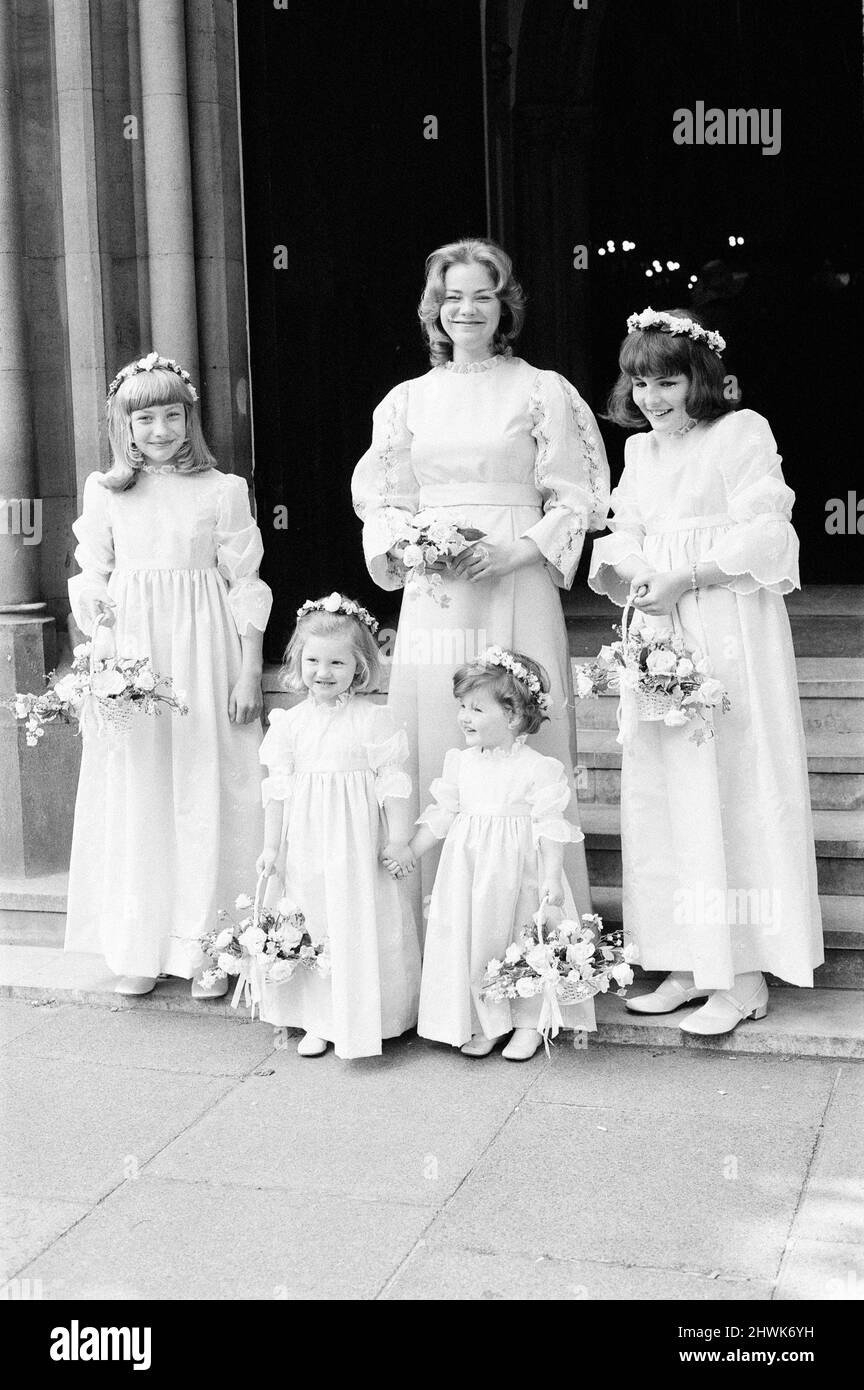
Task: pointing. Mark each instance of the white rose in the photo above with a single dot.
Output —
(526, 988)
(242, 901)
(291, 937)
(703, 665)
(333, 602)
(494, 967)
(145, 680)
(22, 706)
(281, 970)
(82, 651)
(710, 692)
(661, 662)
(584, 685)
(512, 954)
(684, 668)
(622, 975)
(579, 952)
(253, 940)
(412, 556)
(108, 683)
(223, 939)
(675, 719)
(538, 958)
(230, 964)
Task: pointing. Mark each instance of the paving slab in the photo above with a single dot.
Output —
(832, 1206)
(28, 1225)
(18, 1016)
(71, 1131)
(442, 1272)
(587, 1181)
(407, 1127)
(821, 1270)
(191, 1044)
(166, 1240)
(685, 1083)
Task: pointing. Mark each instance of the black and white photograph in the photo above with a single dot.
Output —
(432, 666)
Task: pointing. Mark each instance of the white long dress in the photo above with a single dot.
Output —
(493, 806)
(168, 819)
(333, 767)
(515, 452)
(719, 867)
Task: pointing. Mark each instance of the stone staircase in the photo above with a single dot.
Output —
(828, 635)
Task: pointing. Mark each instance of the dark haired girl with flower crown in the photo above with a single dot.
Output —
(167, 818)
(499, 806)
(336, 800)
(717, 836)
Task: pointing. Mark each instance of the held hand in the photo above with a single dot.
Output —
(486, 560)
(662, 593)
(553, 891)
(105, 610)
(640, 581)
(398, 859)
(265, 862)
(246, 701)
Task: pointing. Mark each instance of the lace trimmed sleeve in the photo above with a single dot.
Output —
(383, 488)
(387, 750)
(276, 752)
(94, 553)
(570, 472)
(239, 550)
(548, 799)
(440, 814)
(760, 551)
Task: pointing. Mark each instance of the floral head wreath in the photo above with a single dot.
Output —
(149, 364)
(669, 323)
(335, 603)
(497, 656)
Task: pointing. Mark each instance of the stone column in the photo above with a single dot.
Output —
(168, 178)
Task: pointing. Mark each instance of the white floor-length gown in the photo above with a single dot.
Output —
(168, 818)
(334, 766)
(719, 865)
(515, 452)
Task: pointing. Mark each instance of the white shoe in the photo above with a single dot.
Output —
(214, 991)
(135, 984)
(523, 1044)
(673, 993)
(478, 1046)
(310, 1046)
(725, 1010)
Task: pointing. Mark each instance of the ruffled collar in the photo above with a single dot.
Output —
(497, 754)
(463, 368)
(330, 706)
(156, 468)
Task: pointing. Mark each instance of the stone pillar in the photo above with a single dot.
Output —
(168, 179)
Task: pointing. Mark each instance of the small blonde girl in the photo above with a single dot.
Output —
(166, 820)
(335, 798)
(499, 807)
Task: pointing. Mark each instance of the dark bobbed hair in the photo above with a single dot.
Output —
(509, 692)
(656, 352)
(494, 259)
(318, 622)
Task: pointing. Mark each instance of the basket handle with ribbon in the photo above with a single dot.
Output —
(248, 987)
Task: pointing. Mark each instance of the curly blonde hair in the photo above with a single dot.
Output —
(494, 259)
(319, 623)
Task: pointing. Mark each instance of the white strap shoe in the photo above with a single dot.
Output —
(675, 991)
(310, 1046)
(725, 1010)
(478, 1046)
(135, 984)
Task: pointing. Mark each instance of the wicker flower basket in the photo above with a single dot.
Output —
(651, 705)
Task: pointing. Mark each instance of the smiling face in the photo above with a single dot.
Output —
(471, 311)
(484, 722)
(328, 666)
(663, 401)
(159, 431)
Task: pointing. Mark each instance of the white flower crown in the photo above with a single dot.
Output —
(148, 364)
(497, 656)
(653, 318)
(335, 603)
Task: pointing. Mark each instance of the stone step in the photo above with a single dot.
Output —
(835, 766)
(799, 1023)
(826, 621)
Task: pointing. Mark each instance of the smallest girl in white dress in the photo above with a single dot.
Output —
(500, 805)
(336, 779)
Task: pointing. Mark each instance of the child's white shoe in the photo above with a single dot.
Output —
(310, 1046)
(672, 993)
(522, 1046)
(478, 1046)
(214, 991)
(135, 984)
(726, 1009)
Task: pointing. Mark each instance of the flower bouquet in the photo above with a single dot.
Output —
(101, 694)
(432, 538)
(265, 947)
(567, 964)
(667, 681)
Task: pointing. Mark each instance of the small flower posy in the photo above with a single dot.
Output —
(670, 323)
(148, 364)
(335, 603)
(497, 656)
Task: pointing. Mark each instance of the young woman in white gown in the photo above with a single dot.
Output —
(513, 451)
(167, 818)
(717, 840)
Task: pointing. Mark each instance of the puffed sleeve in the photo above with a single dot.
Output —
(383, 488)
(570, 472)
(548, 798)
(761, 549)
(276, 752)
(239, 550)
(94, 553)
(445, 789)
(387, 750)
(628, 534)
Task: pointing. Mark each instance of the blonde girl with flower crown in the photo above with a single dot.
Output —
(717, 837)
(167, 817)
(336, 799)
(499, 806)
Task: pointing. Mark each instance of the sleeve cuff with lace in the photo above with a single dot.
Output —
(607, 552)
(548, 803)
(442, 811)
(761, 550)
(559, 536)
(387, 758)
(382, 528)
(86, 593)
(250, 602)
(279, 786)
